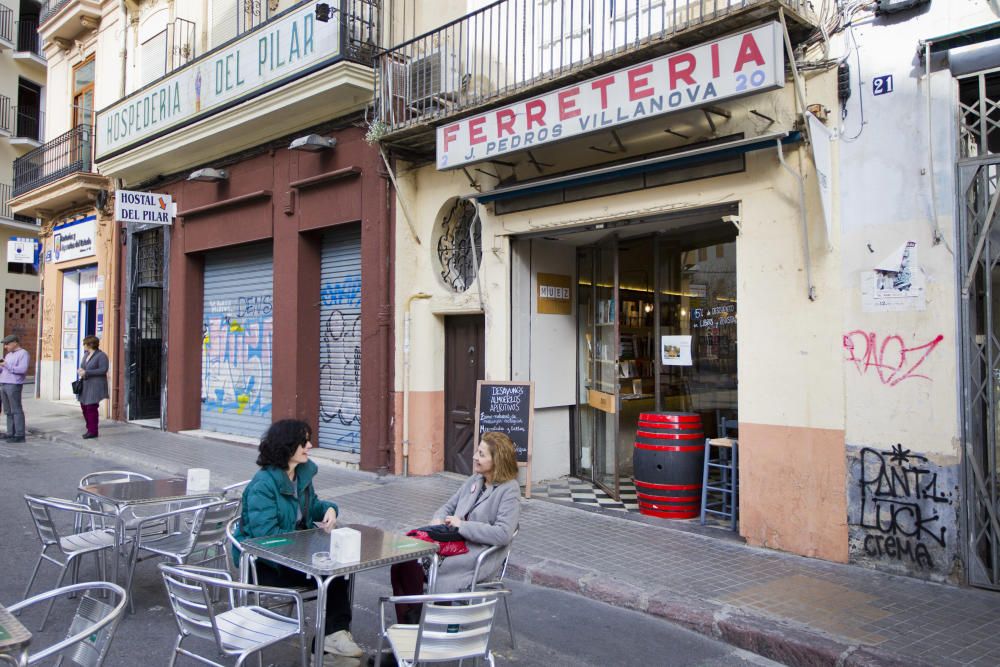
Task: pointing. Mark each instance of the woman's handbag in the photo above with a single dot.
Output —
(451, 547)
(77, 386)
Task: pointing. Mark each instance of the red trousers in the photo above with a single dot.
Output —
(407, 579)
(90, 416)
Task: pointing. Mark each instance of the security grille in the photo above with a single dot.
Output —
(146, 326)
(340, 341)
(236, 341)
(979, 256)
(460, 245)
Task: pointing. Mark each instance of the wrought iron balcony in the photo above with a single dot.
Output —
(28, 124)
(67, 154)
(6, 125)
(28, 40)
(5, 212)
(6, 25)
(516, 47)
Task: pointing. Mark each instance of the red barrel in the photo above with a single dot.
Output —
(668, 462)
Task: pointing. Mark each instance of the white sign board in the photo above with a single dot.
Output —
(73, 240)
(821, 148)
(264, 57)
(21, 251)
(741, 64)
(144, 207)
(675, 350)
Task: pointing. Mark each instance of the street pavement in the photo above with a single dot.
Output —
(793, 610)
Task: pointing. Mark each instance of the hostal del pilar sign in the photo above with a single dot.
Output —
(741, 64)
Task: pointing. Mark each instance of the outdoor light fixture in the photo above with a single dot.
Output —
(322, 12)
(208, 175)
(312, 143)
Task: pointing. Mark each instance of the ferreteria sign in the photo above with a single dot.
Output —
(264, 57)
(742, 64)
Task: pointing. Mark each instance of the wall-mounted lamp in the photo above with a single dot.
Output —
(208, 175)
(322, 12)
(312, 143)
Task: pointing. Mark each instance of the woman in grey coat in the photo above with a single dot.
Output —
(94, 373)
(485, 509)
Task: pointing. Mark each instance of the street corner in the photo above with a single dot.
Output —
(694, 614)
(779, 641)
(557, 575)
(614, 592)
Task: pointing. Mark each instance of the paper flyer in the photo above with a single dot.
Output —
(896, 283)
(676, 350)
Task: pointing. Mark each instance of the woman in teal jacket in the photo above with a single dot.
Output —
(279, 499)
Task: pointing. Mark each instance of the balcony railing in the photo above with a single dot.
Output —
(6, 24)
(513, 45)
(28, 40)
(172, 47)
(6, 195)
(67, 154)
(50, 8)
(29, 123)
(5, 114)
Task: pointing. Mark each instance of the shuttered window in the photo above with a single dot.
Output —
(236, 366)
(340, 340)
(223, 22)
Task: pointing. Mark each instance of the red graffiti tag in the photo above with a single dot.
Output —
(892, 360)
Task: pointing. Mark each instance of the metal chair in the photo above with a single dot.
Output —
(497, 583)
(445, 633)
(71, 546)
(91, 630)
(236, 629)
(234, 491)
(199, 536)
(106, 477)
(720, 496)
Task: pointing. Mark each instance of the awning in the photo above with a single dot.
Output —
(669, 161)
(954, 40)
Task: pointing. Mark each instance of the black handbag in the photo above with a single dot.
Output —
(77, 386)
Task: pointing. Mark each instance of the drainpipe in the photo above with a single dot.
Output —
(811, 289)
(406, 380)
(930, 142)
(124, 13)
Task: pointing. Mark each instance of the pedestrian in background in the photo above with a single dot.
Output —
(13, 369)
(93, 372)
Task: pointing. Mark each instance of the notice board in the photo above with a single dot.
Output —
(508, 407)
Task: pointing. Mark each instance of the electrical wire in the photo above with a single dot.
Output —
(861, 92)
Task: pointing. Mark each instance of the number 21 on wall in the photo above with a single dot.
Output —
(882, 85)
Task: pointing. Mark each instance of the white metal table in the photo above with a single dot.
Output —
(295, 550)
(122, 495)
(14, 640)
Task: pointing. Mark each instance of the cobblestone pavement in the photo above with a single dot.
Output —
(795, 610)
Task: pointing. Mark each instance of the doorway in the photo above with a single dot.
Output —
(145, 337)
(656, 332)
(21, 320)
(464, 366)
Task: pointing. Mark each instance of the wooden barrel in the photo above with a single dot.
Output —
(668, 462)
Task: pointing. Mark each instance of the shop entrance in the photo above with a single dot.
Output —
(656, 316)
(464, 366)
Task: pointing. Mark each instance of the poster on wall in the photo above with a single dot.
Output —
(554, 295)
(675, 350)
(73, 240)
(69, 339)
(70, 319)
(100, 319)
(896, 283)
(22, 251)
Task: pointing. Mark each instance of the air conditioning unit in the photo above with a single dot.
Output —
(434, 79)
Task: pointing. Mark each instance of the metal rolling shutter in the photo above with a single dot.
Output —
(236, 341)
(340, 341)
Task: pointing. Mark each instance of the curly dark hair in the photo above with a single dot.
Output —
(280, 441)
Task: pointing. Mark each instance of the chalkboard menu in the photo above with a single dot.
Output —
(507, 407)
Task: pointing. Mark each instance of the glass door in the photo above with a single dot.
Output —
(597, 335)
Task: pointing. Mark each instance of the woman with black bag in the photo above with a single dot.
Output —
(92, 385)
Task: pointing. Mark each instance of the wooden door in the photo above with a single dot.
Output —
(21, 319)
(463, 367)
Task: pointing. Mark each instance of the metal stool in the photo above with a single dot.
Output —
(725, 500)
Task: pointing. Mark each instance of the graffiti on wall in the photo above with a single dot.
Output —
(903, 511)
(340, 352)
(890, 358)
(236, 356)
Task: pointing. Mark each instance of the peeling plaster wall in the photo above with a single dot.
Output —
(901, 383)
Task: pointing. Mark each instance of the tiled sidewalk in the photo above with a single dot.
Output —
(795, 610)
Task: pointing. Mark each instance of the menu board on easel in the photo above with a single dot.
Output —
(508, 407)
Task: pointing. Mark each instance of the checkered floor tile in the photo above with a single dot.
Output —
(572, 490)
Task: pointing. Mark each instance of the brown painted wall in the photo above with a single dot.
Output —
(426, 432)
(792, 483)
(288, 198)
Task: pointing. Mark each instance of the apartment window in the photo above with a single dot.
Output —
(23, 269)
(83, 93)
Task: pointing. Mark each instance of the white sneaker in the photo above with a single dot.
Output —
(342, 643)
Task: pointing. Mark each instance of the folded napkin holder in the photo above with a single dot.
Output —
(345, 545)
